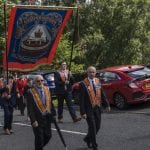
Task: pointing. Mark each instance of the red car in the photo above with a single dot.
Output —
(125, 84)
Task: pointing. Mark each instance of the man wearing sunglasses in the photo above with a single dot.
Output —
(39, 110)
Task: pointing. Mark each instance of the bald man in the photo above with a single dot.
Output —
(39, 110)
(91, 97)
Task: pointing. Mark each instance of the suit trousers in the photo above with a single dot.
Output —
(67, 96)
(94, 122)
(21, 105)
(8, 117)
(42, 134)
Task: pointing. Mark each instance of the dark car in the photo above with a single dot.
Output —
(49, 77)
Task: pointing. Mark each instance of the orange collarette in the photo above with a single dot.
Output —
(94, 99)
(38, 100)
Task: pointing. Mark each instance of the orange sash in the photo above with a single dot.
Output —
(94, 99)
(62, 75)
(37, 98)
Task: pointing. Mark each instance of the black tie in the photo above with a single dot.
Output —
(94, 87)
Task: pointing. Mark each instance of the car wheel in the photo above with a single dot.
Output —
(120, 101)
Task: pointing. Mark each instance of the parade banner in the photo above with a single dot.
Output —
(33, 37)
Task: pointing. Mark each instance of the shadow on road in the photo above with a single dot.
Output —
(134, 107)
(82, 148)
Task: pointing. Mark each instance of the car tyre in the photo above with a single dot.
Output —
(120, 101)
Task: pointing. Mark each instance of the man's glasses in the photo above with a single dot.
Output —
(39, 81)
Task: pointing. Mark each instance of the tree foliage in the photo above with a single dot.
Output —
(3, 19)
(112, 32)
(115, 32)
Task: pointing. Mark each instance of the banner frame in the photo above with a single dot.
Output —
(41, 7)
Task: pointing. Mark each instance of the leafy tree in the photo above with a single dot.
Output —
(112, 32)
(115, 32)
(64, 53)
(2, 40)
(2, 25)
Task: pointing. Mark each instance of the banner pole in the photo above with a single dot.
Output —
(5, 25)
(73, 40)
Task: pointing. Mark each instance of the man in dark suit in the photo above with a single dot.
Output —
(8, 102)
(91, 96)
(63, 82)
(39, 111)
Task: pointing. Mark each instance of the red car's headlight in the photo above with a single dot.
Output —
(133, 85)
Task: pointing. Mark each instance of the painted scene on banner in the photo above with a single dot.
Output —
(33, 36)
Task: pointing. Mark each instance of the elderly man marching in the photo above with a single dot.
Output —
(91, 97)
(39, 109)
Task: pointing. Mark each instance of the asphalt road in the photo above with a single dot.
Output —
(120, 130)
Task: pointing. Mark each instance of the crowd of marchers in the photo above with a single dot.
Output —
(17, 92)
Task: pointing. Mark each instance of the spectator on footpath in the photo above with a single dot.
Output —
(39, 110)
(63, 81)
(91, 97)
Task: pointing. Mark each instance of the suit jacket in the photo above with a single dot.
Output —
(33, 110)
(60, 85)
(84, 101)
(8, 102)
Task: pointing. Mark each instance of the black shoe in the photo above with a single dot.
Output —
(94, 146)
(76, 120)
(89, 144)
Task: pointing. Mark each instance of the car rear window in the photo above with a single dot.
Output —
(139, 73)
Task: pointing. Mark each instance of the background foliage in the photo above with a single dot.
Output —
(108, 33)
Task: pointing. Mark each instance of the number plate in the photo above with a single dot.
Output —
(147, 85)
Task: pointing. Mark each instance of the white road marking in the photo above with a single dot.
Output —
(66, 131)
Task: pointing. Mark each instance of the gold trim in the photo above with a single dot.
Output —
(41, 7)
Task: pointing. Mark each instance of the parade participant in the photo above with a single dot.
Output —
(39, 105)
(63, 82)
(20, 84)
(7, 105)
(8, 102)
(12, 90)
(91, 96)
(27, 88)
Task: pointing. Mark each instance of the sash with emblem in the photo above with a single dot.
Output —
(37, 98)
(95, 99)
